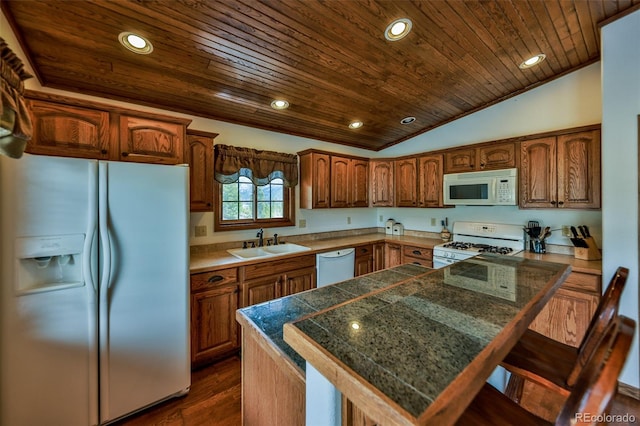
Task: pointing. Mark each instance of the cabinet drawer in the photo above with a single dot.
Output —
(584, 282)
(418, 261)
(364, 251)
(418, 252)
(213, 279)
(279, 266)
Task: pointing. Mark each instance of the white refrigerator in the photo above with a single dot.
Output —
(94, 292)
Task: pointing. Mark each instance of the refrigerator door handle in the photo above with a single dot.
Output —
(92, 289)
(105, 278)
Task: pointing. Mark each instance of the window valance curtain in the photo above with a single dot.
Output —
(260, 166)
(15, 122)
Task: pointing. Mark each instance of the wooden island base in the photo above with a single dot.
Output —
(273, 388)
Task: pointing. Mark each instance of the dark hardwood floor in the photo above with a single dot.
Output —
(214, 400)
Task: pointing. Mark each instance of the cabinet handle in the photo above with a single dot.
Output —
(560, 203)
(363, 250)
(417, 252)
(416, 263)
(125, 154)
(208, 204)
(553, 203)
(215, 278)
(103, 151)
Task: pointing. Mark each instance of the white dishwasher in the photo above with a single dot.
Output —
(335, 266)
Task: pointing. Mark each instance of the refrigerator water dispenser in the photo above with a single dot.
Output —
(48, 263)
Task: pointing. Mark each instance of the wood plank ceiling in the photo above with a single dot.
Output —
(227, 60)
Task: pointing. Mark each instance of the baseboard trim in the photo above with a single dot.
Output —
(628, 390)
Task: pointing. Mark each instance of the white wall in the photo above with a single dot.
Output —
(620, 110)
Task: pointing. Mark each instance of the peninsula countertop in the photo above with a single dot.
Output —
(419, 349)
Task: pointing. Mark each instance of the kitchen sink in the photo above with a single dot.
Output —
(267, 251)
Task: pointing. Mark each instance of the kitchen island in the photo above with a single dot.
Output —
(415, 345)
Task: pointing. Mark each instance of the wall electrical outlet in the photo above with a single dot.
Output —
(566, 231)
(381, 219)
(348, 220)
(433, 221)
(302, 223)
(201, 231)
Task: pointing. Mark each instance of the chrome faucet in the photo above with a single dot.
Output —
(260, 235)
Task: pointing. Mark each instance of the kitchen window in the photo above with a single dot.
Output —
(254, 189)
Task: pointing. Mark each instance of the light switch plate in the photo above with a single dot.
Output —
(201, 231)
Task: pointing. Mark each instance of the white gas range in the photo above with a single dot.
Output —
(472, 238)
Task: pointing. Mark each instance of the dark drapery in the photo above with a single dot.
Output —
(259, 166)
(15, 122)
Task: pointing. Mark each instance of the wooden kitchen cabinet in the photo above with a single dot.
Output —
(269, 280)
(378, 256)
(489, 156)
(68, 130)
(349, 182)
(561, 171)
(214, 301)
(417, 256)
(381, 183)
(315, 180)
(567, 315)
(199, 155)
(71, 127)
(430, 171)
(146, 140)
(405, 182)
(392, 255)
(460, 160)
(364, 260)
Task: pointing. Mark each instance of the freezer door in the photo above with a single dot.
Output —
(144, 298)
(48, 370)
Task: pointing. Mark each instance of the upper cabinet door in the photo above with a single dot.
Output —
(200, 158)
(430, 170)
(381, 172)
(340, 188)
(69, 131)
(579, 170)
(460, 160)
(537, 177)
(315, 182)
(359, 183)
(146, 140)
(497, 156)
(406, 183)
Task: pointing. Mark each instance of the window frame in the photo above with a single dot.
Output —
(288, 219)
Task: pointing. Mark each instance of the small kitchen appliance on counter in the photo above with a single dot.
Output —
(472, 238)
(398, 229)
(388, 229)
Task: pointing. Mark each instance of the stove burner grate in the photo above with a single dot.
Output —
(482, 248)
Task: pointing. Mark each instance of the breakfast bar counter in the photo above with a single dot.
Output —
(406, 345)
(416, 352)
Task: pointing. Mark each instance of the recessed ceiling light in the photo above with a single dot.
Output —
(279, 104)
(135, 43)
(356, 125)
(398, 29)
(533, 61)
(407, 120)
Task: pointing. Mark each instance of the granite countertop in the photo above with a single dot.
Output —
(408, 341)
(269, 317)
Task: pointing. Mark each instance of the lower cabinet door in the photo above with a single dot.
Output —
(300, 280)
(261, 290)
(566, 317)
(214, 331)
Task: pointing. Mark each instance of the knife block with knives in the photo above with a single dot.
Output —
(585, 246)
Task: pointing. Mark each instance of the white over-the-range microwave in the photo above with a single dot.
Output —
(485, 188)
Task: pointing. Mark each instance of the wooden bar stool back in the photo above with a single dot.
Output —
(553, 364)
(595, 388)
